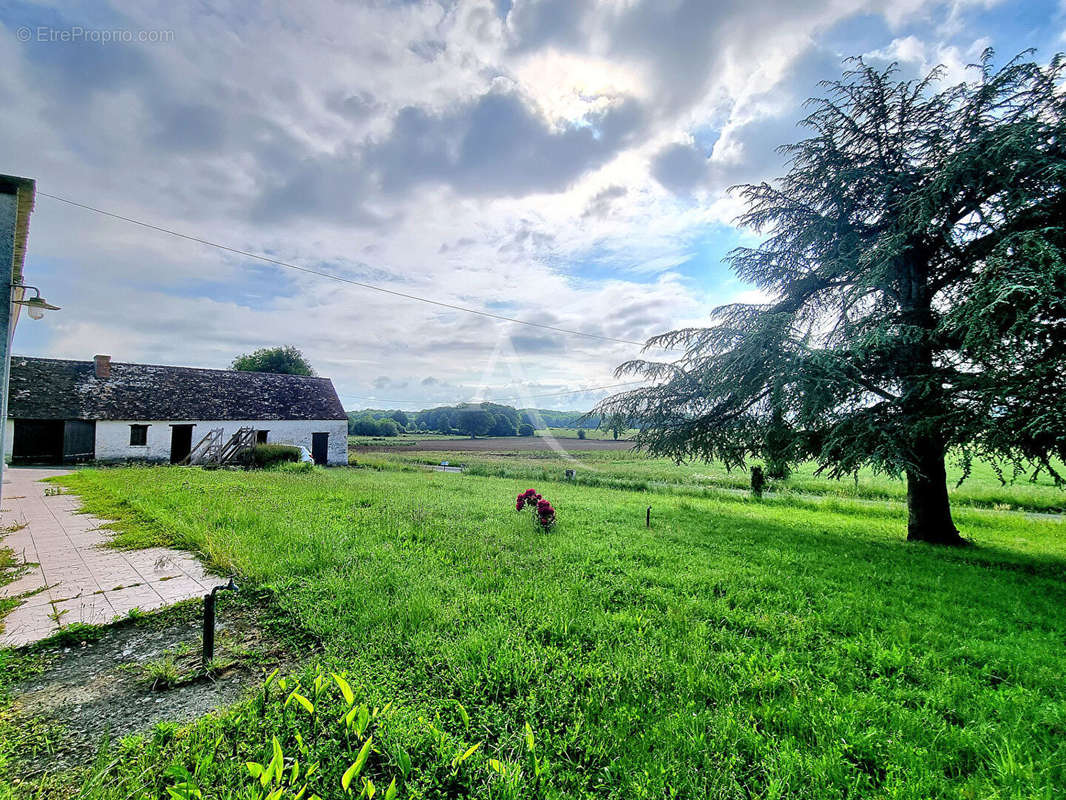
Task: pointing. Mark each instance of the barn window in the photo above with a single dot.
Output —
(138, 435)
(261, 437)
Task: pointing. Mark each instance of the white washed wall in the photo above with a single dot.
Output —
(9, 438)
(113, 437)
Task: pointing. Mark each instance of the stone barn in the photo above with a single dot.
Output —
(63, 411)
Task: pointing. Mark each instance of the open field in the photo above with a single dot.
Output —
(590, 433)
(735, 649)
(488, 444)
(633, 471)
(402, 440)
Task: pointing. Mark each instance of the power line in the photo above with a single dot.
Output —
(331, 276)
(507, 399)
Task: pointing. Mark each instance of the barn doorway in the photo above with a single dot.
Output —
(37, 441)
(53, 441)
(320, 447)
(180, 442)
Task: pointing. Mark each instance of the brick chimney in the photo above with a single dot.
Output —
(103, 366)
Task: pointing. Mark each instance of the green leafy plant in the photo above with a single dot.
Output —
(162, 673)
(280, 774)
(266, 455)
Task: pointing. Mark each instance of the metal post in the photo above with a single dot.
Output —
(209, 627)
(13, 232)
(209, 620)
(8, 222)
(647, 521)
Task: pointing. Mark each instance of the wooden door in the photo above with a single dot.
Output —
(320, 447)
(79, 440)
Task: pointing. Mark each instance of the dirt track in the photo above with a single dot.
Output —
(501, 444)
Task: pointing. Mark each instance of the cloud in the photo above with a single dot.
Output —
(918, 57)
(535, 23)
(680, 168)
(497, 144)
(538, 345)
(559, 162)
(601, 203)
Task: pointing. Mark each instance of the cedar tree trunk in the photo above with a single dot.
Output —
(928, 508)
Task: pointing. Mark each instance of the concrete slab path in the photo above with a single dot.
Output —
(73, 577)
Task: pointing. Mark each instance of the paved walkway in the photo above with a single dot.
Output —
(73, 578)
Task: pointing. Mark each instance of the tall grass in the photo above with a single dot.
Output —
(734, 649)
(633, 471)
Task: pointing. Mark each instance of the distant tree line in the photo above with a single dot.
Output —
(547, 418)
(375, 423)
(470, 419)
(475, 419)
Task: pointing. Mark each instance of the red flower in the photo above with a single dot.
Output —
(543, 512)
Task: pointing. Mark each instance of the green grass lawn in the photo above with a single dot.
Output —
(635, 471)
(735, 649)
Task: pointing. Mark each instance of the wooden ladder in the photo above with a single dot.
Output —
(206, 450)
(242, 440)
(212, 450)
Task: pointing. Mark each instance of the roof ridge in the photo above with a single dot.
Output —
(171, 366)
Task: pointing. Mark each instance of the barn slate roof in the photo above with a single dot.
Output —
(48, 388)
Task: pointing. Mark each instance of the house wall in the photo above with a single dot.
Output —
(113, 437)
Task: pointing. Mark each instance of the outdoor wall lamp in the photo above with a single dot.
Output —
(36, 305)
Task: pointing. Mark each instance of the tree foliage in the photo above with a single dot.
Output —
(447, 419)
(615, 423)
(473, 420)
(285, 360)
(913, 264)
(366, 424)
(550, 418)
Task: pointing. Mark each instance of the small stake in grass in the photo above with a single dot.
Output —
(647, 520)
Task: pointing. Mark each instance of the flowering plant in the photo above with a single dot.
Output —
(543, 513)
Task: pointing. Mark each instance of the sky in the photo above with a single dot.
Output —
(562, 162)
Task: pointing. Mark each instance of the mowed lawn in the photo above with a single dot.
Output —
(735, 649)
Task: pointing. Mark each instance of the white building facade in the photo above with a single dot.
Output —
(113, 437)
(77, 411)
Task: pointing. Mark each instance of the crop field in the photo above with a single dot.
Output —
(402, 440)
(590, 433)
(487, 444)
(792, 647)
